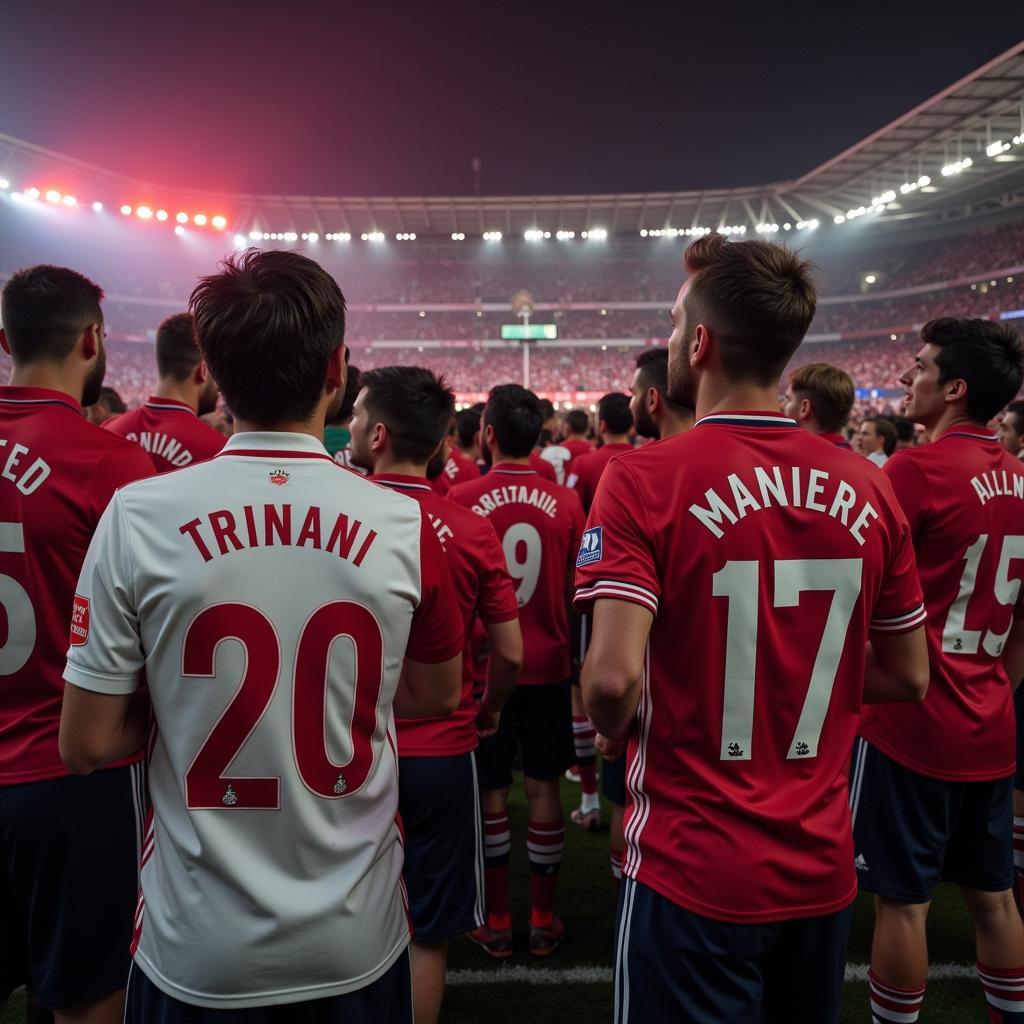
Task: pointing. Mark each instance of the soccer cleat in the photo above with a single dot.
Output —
(589, 820)
(544, 941)
(573, 774)
(496, 942)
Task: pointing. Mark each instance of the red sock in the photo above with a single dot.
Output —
(1004, 990)
(584, 738)
(891, 1004)
(497, 843)
(544, 843)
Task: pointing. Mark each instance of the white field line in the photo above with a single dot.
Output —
(597, 975)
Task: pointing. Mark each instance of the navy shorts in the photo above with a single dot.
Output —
(613, 780)
(911, 831)
(674, 965)
(1018, 707)
(388, 1000)
(539, 720)
(69, 855)
(444, 852)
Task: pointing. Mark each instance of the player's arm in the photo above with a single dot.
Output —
(896, 667)
(428, 690)
(99, 728)
(613, 672)
(505, 641)
(1013, 654)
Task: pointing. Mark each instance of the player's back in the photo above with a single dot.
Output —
(170, 431)
(276, 593)
(57, 473)
(764, 556)
(539, 524)
(585, 470)
(964, 497)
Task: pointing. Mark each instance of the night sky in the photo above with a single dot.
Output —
(384, 98)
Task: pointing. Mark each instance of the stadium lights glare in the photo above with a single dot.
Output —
(458, 236)
(32, 193)
(53, 196)
(839, 219)
(126, 210)
(200, 219)
(338, 236)
(405, 236)
(533, 235)
(492, 236)
(219, 222)
(241, 241)
(870, 279)
(4, 183)
(69, 201)
(179, 230)
(161, 215)
(310, 236)
(767, 229)
(181, 218)
(565, 236)
(144, 213)
(255, 236)
(596, 235)
(997, 147)
(956, 167)
(372, 236)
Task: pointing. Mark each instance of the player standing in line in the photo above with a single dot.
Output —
(734, 573)
(539, 524)
(570, 445)
(278, 605)
(458, 468)
(932, 785)
(167, 425)
(614, 423)
(69, 847)
(400, 419)
(820, 398)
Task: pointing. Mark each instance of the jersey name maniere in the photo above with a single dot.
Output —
(270, 598)
(765, 557)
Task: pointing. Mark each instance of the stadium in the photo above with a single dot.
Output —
(922, 218)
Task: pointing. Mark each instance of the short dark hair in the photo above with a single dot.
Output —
(112, 400)
(467, 425)
(516, 417)
(1016, 410)
(885, 429)
(547, 409)
(613, 409)
(414, 404)
(830, 391)
(905, 429)
(653, 366)
(353, 385)
(757, 297)
(577, 421)
(177, 354)
(267, 325)
(44, 310)
(984, 354)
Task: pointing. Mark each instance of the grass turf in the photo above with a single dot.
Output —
(586, 902)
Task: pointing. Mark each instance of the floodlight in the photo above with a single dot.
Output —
(69, 201)
(200, 219)
(179, 230)
(161, 215)
(126, 210)
(144, 213)
(181, 218)
(53, 196)
(219, 222)
(97, 206)
(4, 183)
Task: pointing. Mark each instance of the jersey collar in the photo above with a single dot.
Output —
(514, 469)
(975, 435)
(402, 480)
(153, 402)
(760, 418)
(38, 396)
(274, 444)
(837, 439)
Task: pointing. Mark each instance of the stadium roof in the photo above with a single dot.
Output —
(959, 154)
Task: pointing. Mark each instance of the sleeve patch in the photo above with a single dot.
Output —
(80, 621)
(591, 547)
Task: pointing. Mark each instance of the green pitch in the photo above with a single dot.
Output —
(586, 902)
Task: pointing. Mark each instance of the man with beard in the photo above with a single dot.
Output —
(655, 415)
(68, 846)
(733, 574)
(168, 425)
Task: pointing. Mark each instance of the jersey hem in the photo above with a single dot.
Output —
(420, 750)
(295, 995)
(984, 775)
(753, 917)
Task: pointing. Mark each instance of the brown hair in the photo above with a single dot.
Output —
(177, 354)
(757, 298)
(829, 390)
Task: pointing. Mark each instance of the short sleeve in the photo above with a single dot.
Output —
(106, 651)
(121, 465)
(900, 604)
(436, 633)
(616, 555)
(497, 598)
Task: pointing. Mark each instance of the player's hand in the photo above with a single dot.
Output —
(611, 750)
(486, 721)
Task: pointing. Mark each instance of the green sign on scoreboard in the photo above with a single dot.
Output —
(535, 332)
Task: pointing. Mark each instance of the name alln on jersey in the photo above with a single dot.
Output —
(275, 526)
(774, 487)
(998, 484)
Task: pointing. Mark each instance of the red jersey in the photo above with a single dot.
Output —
(963, 497)
(458, 469)
(170, 431)
(577, 447)
(765, 557)
(543, 468)
(483, 588)
(57, 473)
(839, 440)
(585, 471)
(539, 524)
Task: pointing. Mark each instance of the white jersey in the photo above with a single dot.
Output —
(268, 597)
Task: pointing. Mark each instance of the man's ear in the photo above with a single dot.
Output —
(701, 346)
(337, 370)
(91, 340)
(653, 401)
(200, 373)
(804, 410)
(956, 389)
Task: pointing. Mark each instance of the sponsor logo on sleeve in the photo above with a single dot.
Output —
(591, 547)
(80, 621)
